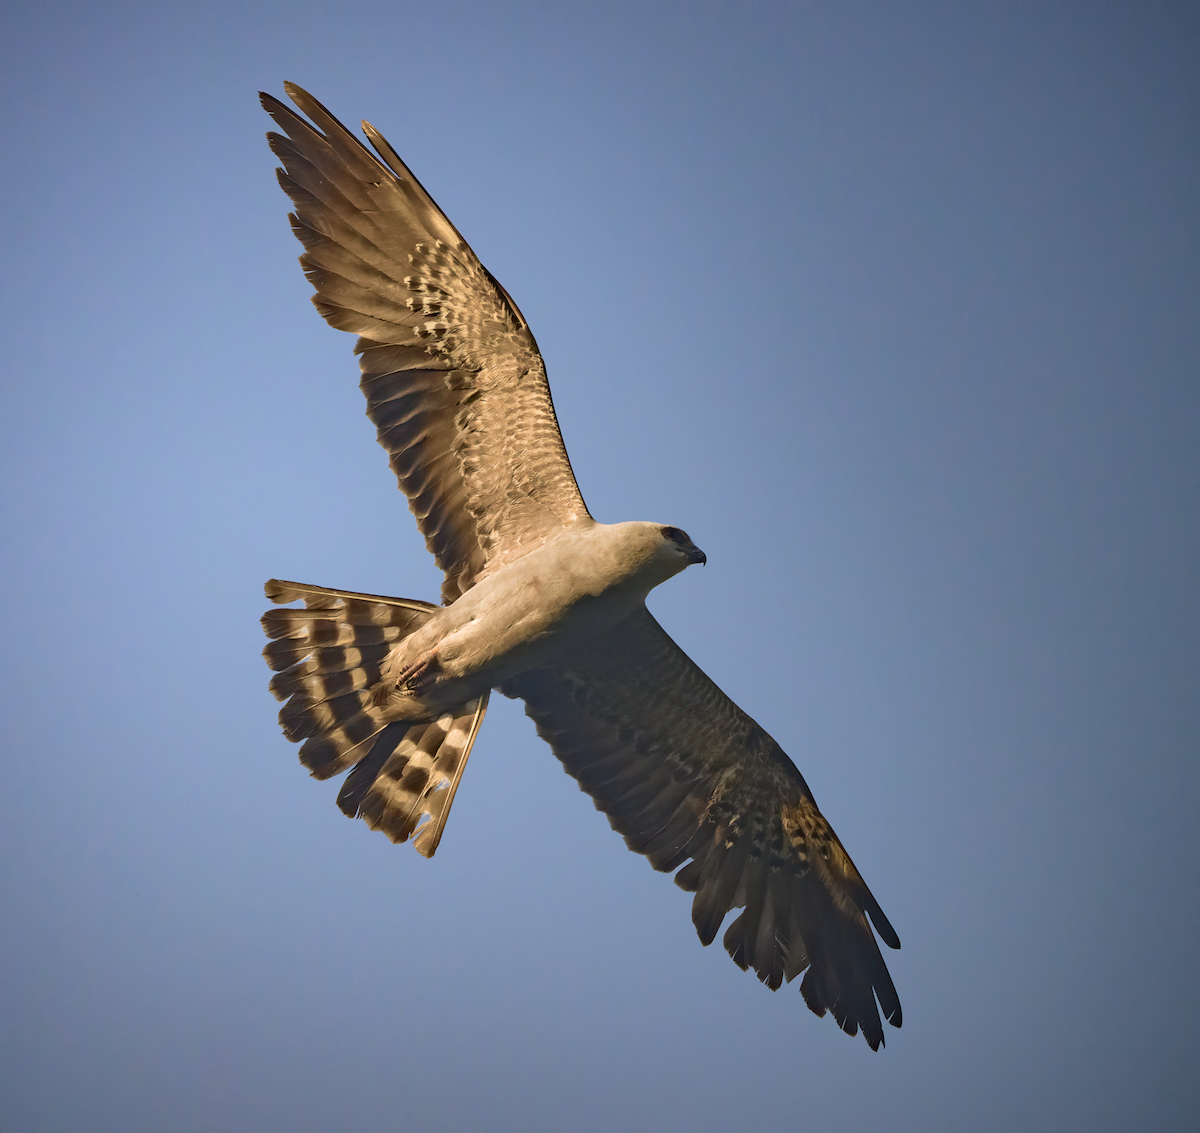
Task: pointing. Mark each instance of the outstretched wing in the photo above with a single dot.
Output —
(453, 378)
(687, 777)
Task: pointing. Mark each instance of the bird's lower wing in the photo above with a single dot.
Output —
(687, 777)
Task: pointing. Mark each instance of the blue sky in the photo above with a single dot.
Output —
(893, 308)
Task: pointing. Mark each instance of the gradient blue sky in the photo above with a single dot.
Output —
(894, 308)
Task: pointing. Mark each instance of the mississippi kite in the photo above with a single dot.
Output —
(539, 601)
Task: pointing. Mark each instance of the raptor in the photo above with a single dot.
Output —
(539, 601)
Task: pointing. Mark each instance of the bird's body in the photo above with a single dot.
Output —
(539, 601)
(580, 583)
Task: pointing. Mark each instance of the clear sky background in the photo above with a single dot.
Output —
(894, 308)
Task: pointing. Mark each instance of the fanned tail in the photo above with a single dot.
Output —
(328, 655)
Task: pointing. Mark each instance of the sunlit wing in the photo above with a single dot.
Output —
(453, 378)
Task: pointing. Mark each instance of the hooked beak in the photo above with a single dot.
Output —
(695, 555)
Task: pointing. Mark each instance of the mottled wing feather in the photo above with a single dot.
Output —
(687, 777)
(453, 378)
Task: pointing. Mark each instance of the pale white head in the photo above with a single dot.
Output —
(678, 547)
(655, 552)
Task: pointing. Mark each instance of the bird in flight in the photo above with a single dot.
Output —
(539, 601)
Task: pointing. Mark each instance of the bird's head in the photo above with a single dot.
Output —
(677, 545)
(650, 553)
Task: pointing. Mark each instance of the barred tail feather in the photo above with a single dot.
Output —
(408, 783)
(327, 656)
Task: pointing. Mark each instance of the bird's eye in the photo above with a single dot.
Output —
(675, 535)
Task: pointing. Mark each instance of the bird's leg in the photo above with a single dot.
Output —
(416, 678)
(420, 674)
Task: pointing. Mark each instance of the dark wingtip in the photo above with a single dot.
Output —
(809, 993)
(269, 102)
(883, 926)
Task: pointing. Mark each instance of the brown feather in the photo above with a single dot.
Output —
(684, 774)
(453, 378)
(329, 655)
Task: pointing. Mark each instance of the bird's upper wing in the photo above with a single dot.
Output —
(687, 777)
(453, 378)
